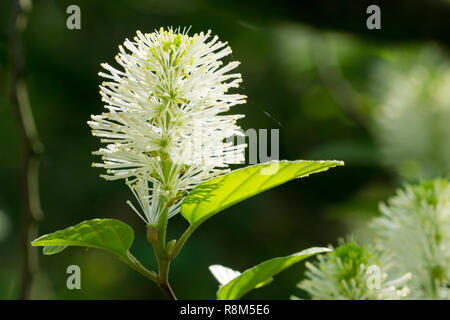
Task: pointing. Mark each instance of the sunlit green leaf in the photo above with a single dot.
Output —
(219, 193)
(225, 275)
(250, 279)
(107, 234)
(49, 250)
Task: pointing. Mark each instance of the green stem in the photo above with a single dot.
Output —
(434, 287)
(164, 279)
(159, 247)
(136, 265)
(165, 287)
(180, 243)
(161, 280)
(161, 227)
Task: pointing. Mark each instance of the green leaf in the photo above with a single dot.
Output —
(107, 234)
(219, 193)
(249, 279)
(225, 275)
(49, 250)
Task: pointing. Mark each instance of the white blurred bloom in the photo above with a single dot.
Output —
(164, 129)
(413, 115)
(415, 228)
(353, 272)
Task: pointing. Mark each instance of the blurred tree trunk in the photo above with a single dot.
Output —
(31, 208)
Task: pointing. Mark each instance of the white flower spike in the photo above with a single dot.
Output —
(414, 227)
(164, 130)
(353, 272)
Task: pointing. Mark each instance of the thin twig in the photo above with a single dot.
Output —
(31, 211)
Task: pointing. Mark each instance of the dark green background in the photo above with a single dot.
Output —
(279, 56)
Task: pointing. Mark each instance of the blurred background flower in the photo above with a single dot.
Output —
(413, 116)
(353, 272)
(415, 229)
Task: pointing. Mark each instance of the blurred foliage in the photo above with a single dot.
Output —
(330, 94)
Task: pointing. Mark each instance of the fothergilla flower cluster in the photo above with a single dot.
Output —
(164, 130)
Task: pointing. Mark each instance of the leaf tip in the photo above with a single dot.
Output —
(35, 243)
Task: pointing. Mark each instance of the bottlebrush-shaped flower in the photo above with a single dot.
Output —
(165, 131)
(353, 272)
(415, 228)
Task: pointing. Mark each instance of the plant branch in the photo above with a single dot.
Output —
(180, 243)
(31, 211)
(136, 265)
(165, 287)
(157, 238)
(161, 280)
